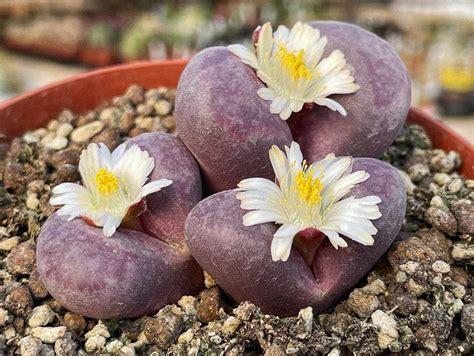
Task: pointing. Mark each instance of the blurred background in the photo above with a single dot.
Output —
(46, 40)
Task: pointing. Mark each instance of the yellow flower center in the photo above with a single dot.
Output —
(294, 63)
(307, 187)
(107, 182)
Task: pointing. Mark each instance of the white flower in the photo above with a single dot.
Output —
(289, 63)
(312, 196)
(113, 182)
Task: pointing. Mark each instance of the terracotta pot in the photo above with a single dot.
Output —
(85, 91)
(96, 56)
(46, 49)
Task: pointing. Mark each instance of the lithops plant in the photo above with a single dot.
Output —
(375, 112)
(331, 86)
(100, 255)
(222, 121)
(305, 240)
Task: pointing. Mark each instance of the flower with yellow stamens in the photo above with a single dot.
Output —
(113, 183)
(290, 63)
(309, 197)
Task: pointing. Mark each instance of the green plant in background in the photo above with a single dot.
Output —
(10, 83)
(100, 36)
(135, 41)
(184, 27)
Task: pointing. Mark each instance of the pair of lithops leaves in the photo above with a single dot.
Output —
(225, 133)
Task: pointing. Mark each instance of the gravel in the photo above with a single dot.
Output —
(417, 299)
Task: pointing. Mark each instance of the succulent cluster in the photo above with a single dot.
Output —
(319, 90)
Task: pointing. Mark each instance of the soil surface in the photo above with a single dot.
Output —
(418, 298)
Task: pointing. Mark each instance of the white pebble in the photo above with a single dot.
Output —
(114, 346)
(457, 306)
(30, 346)
(86, 132)
(433, 188)
(8, 244)
(461, 251)
(437, 201)
(64, 129)
(438, 279)
(32, 201)
(145, 123)
(53, 125)
(230, 325)
(307, 315)
(163, 107)
(410, 267)
(9, 332)
(458, 290)
(376, 287)
(216, 339)
(441, 178)
(455, 186)
(41, 132)
(47, 139)
(41, 316)
(99, 330)
(387, 328)
(4, 317)
(188, 304)
(415, 287)
(54, 143)
(186, 337)
(127, 350)
(95, 343)
(209, 281)
(440, 266)
(48, 335)
(469, 183)
(448, 298)
(401, 277)
(30, 137)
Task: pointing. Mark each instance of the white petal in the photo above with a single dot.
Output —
(334, 170)
(154, 186)
(279, 163)
(133, 169)
(63, 199)
(295, 157)
(256, 217)
(281, 34)
(278, 104)
(89, 164)
(110, 224)
(257, 184)
(105, 157)
(331, 104)
(118, 153)
(342, 186)
(282, 241)
(265, 43)
(334, 238)
(67, 188)
(246, 55)
(266, 93)
(286, 111)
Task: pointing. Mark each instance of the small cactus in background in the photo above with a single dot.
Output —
(100, 36)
